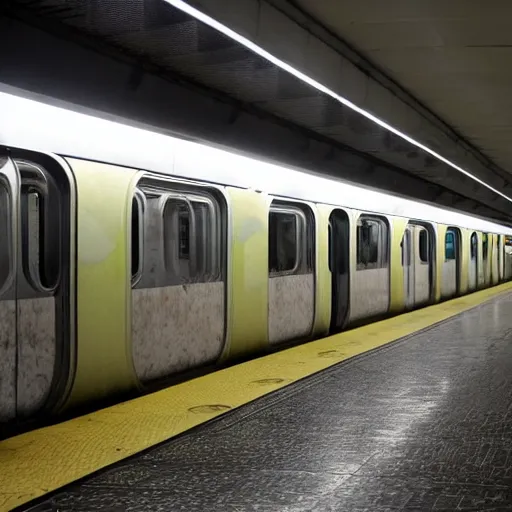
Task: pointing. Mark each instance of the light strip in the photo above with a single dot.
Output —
(88, 135)
(183, 6)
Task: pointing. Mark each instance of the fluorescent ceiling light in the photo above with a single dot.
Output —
(183, 6)
(24, 124)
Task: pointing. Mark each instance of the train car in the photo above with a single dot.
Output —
(130, 257)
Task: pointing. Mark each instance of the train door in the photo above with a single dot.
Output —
(473, 263)
(507, 258)
(494, 259)
(339, 254)
(485, 258)
(43, 285)
(291, 286)
(500, 258)
(35, 294)
(417, 265)
(407, 257)
(370, 283)
(450, 284)
(8, 257)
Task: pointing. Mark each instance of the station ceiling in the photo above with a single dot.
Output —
(454, 56)
(266, 110)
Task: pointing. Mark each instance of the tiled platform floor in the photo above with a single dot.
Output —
(422, 424)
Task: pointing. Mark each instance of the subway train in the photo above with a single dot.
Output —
(130, 257)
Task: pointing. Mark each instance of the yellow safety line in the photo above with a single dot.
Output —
(43, 460)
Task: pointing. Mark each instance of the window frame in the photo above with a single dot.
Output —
(453, 233)
(500, 255)
(383, 243)
(138, 200)
(38, 249)
(406, 261)
(473, 247)
(161, 237)
(485, 246)
(8, 226)
(345, 257)
(428, 248)
(304, 237)
(200, 270)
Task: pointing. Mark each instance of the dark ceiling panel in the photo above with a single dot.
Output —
(151, 34)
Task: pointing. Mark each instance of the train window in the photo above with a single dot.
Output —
(6, 249)
(330, 255)
(290, 241)
(285, 237)
(485, 245)
(190, 232)
(474, 246)
(184, 234)
(449, 245)
(137, 240)
(424, 246)
(372, 243)
(284, 242)
(198, 229)
(40, 249)
(402, 250)
(177, 234)
(31, 220)
(405, 246)
(338, 242)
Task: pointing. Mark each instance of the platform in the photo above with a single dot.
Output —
(421, 423)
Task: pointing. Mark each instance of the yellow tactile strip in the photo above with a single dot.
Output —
(37, 462)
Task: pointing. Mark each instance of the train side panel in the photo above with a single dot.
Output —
(179, 250)
(398, 263)
(173, 275)
(324, 291)
(104, 361)
(248, 273)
